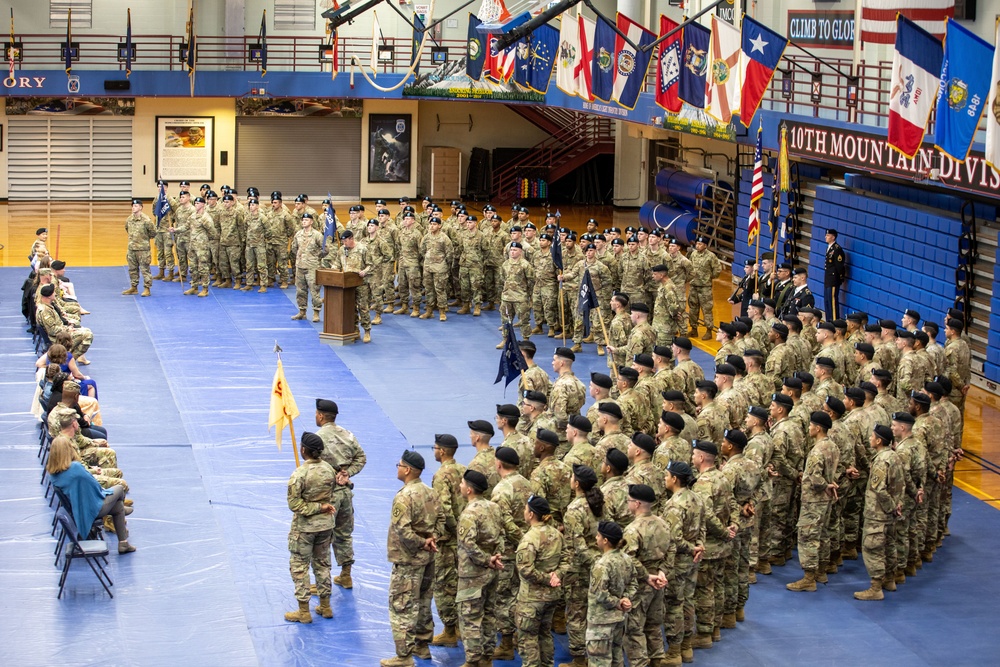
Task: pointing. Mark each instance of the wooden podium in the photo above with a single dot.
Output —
(340, 326)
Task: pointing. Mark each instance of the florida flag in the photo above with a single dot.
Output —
(723, 96)
(631, 63)
(762, 51)
(914, 84)
(668, 75)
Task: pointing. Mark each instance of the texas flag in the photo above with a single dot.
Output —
(762, 51)
(631, 63)
(914, 85)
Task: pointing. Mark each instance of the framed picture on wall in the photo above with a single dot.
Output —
(185, 147)
(389, 148)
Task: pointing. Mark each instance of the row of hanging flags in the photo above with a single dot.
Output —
(723, 70)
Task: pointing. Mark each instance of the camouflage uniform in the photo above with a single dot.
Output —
(480, 536)
(780, 364)
(705, 267)
(545, 295)
(579, 553)
(140, 230)
(416, 516)
(408, 259)
(492, 280)
(307, 249)
(600, 276)
(382, 255)
(356, 259)
(517, 276)
(524, 447)
(565, 400)
(641, 340)
(744, 475)
(647, 541)
(54, 323)
(533, 379)
(957, 363)
(612, 577)
(913, 455)
(281, 228)
(886, 487)
(615, 490)
(510, 495)
(203, 235)
(684, 513)
(648, 473)
(257, 242)
(713, 421)
(538, 555)
(820, 470)
(673, 448)
(550, 480)
(182, 215)
(717, 495)
(473, 249)
(485, 462)
(760, 448)
(232, 224)
(309, 487)
(437, 252)
(618, 334)
(635, 274)
(667, 311)
(342, 451)
(445, 484)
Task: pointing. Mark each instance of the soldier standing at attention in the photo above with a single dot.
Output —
(309, 491)
(517, 277)
(551, 476)
(342, 451)
(834, 275)
(511, 495)
(567, 395)
(667, 307)
(164, 244)
(408, 267)
(484, 461)
(613, 584)
(533, 379)
(705, 267)
(203, 235)
(684, 513)
(619, 330)
(231, 232)
(414, 526)
(539, 555)
(436, 250)
(473, 247)
(308, 250)
(579, 554)
(140, 230)
(446, 485)
(256, 252)
(480, 545)
(883, 503)
(545, 295)
(181, 211)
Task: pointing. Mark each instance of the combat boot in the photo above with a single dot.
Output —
(262, 290)
(673, 656)
(400, 311)
(578, 661)
(559, 621)
(740, 615)
(911, 569)
(703, 640)
(378, 318)
(191, 290)
(426, 315)
(444, 315)
(708, 334)
(505, 649)
(367, 338)
(302, 615)
(301, 315)
(900, 576)
(600, 350)
(837, 558)
(145, 291)
(415, 312)
(396, 661)
(821, 577)
(850, 553)
(477, 311)
(315, 317)
(831, 567)
(246, 287)
(589, 339)
(927, 556)
(447, 638)
(324, 609)
(687, 650)
(464, 310)
(228, 283)
(492, 306)
(752, 577)
(169, 278)
(552, 332)
(692, 333)
(577, 347)
(422, 650)
(716, 634)
(806, 583)
(159, 274)
(778, 561)
(889, 583)
(729, 621)
(344, 578)
(763, 567)
(130, 290)
(388, 308)
(537, 329)
(284, 284)
(204, 291)
(237, 284)
(874, 592)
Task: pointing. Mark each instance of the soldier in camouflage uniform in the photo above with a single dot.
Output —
(281, 228)
(635, 271)
(511, 495)
(705, 267)
(667, 307)
(535, 378)
(539, 556)
(671, 447)
(416, 522)
(957, 362)
(819, 492)
(481, 543)
(232, 226)
(473, 249)
(354, 257)
(64, 420)
(517, 278)
(883, 504)
(760, 448)
(551, 476)
(181, 209)
(619, 330)
(613, 586)
(342, 451)
(566, 396)
(712, 418)
(140, 230)
(634, 405)
(309, 491)
(579, 554)
(779, 364)
(446, 483)
(615, 488)
(609, 421)
(436, 252)
(202, 234)
(909, 373)
(912, 453)
(379, 243)
(408, 258)
(55, 323)
(496, 238)
(484, 461)
(257, 241)
(308, 250)
(534, 415)
(684, 512)
(581, 452)
(545, 295)
(600, 278)
(744, 476)
(163, 241)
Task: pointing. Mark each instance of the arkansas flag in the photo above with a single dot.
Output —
(668, 73)
(914, 85)
(631, 64)
(723, 96)
(762, 51)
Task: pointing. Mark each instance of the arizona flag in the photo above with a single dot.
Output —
(914, 84)
(762, 51)
(723, 96)
(668, 74)
(965, 87)
(631, 64)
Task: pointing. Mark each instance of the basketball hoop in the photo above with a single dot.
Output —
(495, 14)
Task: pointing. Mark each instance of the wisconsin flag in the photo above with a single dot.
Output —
(668, 74)
(965, 87)
(993, 102)
(631, 63)
(762, 51)
(570, 54)
(723, 96)
(913, 85)
(694, 64)
(602, 78)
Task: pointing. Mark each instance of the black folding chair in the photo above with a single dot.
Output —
(92, 551)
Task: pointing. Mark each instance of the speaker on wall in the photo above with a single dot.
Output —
(115, 84)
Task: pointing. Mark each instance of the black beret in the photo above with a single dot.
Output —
(252, 200)
(312, 442)
(903, 417)
(644, 360)
(346, 234)
(602, 380)
(727, 329)
(866, 349)
(933, 326)
(821, 419)
(707, 386)
(780, 328)
(736, 437)
(792, 382)
(481, 426)
(641, 492)
(580, 423)
(883, 433)
(585, 475)
(446, 440)
(782, 400)
(508, 410)
(672, 395)
(200, 200)
(547, 436)
(610, 530)
(769, 302)
(792, 316)
(945, 383)
(526, 345)
(903, 333)
(307, 216)
(826, 362)
(673, 420)
(749, 262)
(610, 408)
(617, 459)
(872, 328)
(832, 232)
(752, 352)
(955, 323)
(565, 353)
(826, 326)
(660, 268)
(705, 446)
(324, 405)
(229, 197)
(741, 327)
(516, 228)
(663, 351)
(515, 244)
(737, 363)
(546, 236)
(805, 376)
(856, 394)
(535, 397)
(758, 412)
(839, 324)
(856, 317)
(539, 506)
(701, 239)
(912, 314)
(413, 459)
(630, 373)
(836, 405)
(48, 290)
(920, 397)
(887, 324)
(643, 441)
(276, 195)
(683, 342)
(679, 469)
(590, 246)
(476, 480)
(867, 387)
(640, 308)
(882, 374)
(800, 272)
(188, 183)
(922, 337)
(757, 303)
(508, 455)
(725, 369)
(617, 242)
(58, 265)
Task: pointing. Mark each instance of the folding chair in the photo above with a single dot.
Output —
(92, 551)
(62, 501)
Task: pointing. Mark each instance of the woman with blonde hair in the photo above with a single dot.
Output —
(88, 501)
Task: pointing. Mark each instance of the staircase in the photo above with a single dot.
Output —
(576, 139)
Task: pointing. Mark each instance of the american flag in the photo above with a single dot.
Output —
(878, 17)
(756, 191)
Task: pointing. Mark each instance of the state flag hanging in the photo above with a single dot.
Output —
(762, 51)
(602, 78)
(992, 152)
(723, 97)
(583, 72)
(631, 63)
(570, 54)
(913, 85)
(543, 49)
(475, 57)
(694, 64)
(965, 87)
(668, 74)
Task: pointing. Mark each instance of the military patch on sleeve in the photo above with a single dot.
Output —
(396, 511)
(877, 478)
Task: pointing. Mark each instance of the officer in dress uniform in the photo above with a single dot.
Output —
(836, 273)
(747, 288)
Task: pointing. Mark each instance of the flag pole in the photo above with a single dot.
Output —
(58, 232)
(604, 330)
(291, 426)
(562, 312)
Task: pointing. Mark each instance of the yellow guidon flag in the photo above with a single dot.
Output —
(283, 408)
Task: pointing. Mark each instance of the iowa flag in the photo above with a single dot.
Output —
(283, 408)
(914, 85)
(630, 63)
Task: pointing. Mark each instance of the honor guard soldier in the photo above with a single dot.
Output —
(835, 273)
